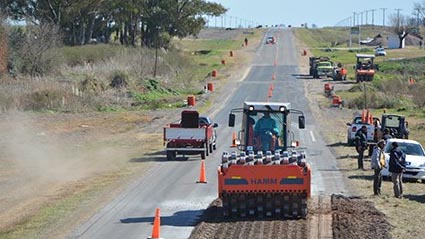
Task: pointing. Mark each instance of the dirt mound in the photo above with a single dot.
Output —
(354, 217)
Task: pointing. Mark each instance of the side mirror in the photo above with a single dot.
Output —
(348, 124)
(215, 125)
(301, 122)
(231, 120)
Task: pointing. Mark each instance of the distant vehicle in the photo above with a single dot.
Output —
(415, 159)
(380, 52)
(365, 68)
(270, 40)
(367, 41)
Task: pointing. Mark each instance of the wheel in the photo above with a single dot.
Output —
(171, 155)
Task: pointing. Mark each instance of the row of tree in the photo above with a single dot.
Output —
(149, 22)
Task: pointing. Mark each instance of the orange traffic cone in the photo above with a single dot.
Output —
(202, 177)
(233, 140)
(274, 76)
(156, 225)
(271, 87)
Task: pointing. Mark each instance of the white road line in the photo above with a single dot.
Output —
(312, 136)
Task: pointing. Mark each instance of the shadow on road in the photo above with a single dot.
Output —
(364, 177)
(302, 76)
(338, 144)
(179, 219)
(416, 198)
(161, 157)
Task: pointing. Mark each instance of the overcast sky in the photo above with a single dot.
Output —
(319, 12)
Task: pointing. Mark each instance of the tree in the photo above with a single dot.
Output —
(402, 26)
(81, 20)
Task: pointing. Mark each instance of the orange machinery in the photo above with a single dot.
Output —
(265, 182)
(365, 68)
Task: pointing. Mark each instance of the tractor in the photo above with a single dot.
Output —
(268, 175)
(365, 68)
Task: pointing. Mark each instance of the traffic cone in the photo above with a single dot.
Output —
(274, 76)
(271, 87)
(202, 177)
(156, 225)
(233, 139)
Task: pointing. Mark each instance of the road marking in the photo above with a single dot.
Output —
(312, 136)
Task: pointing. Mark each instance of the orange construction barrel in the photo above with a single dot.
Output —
(336, 100)
(214, 73)
(328, 87)
(231, 53)
(223, 62)
(191, 100)
(210, 86)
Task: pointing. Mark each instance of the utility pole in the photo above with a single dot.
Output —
(373, 17)
(367, 13)
(354, 19)
(383, 16)
(361, 17)
(398, 16)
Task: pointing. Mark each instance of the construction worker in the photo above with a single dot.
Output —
(377, 163)
(361, 145)
(266, 130)
(397, 166)
(246, 41)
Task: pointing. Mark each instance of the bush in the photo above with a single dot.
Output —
(48, 99)
(34, 49)
(120, 80)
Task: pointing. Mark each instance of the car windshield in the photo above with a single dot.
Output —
(408, 148)
(324, 64)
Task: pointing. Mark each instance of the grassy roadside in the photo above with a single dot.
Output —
(405, 215)
(74, 203)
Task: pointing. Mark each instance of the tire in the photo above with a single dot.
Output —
(171, 155)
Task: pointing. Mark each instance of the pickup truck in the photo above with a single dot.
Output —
(192, 135)
(355, 125)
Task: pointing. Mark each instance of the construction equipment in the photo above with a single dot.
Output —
(269, 176)
(320, 66)
(396, 125)
(365, 68)
(192, 135)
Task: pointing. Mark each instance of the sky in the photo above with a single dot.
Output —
(319, 12)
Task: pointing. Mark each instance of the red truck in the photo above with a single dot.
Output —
(193, 135)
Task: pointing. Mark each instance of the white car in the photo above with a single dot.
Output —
(270, 40)
(380, 52)
(415, 159)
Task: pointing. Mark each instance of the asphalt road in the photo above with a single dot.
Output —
(172, 187)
